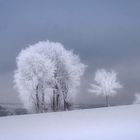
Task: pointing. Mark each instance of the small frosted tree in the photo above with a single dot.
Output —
(106, 84)
(47, 76)
(137, 99)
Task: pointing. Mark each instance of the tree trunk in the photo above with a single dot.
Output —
(107, 101)
(53, 106)
(55, 100)
(43, 102)
(58, 101)
(65, 105)
(37, 104)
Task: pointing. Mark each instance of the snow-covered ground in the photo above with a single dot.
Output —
(113, 123)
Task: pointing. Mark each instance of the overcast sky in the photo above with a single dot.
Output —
(105, 34)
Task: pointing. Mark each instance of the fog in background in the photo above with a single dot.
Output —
(105, 34)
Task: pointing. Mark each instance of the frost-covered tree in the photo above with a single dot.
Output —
(137, 98)
(33, 78)
(47, 76)
(106, 84)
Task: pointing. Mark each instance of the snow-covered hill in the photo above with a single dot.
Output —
(113, 123)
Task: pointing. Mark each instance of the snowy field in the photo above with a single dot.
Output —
(113, 123)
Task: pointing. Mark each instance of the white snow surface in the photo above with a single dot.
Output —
(112, 123)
